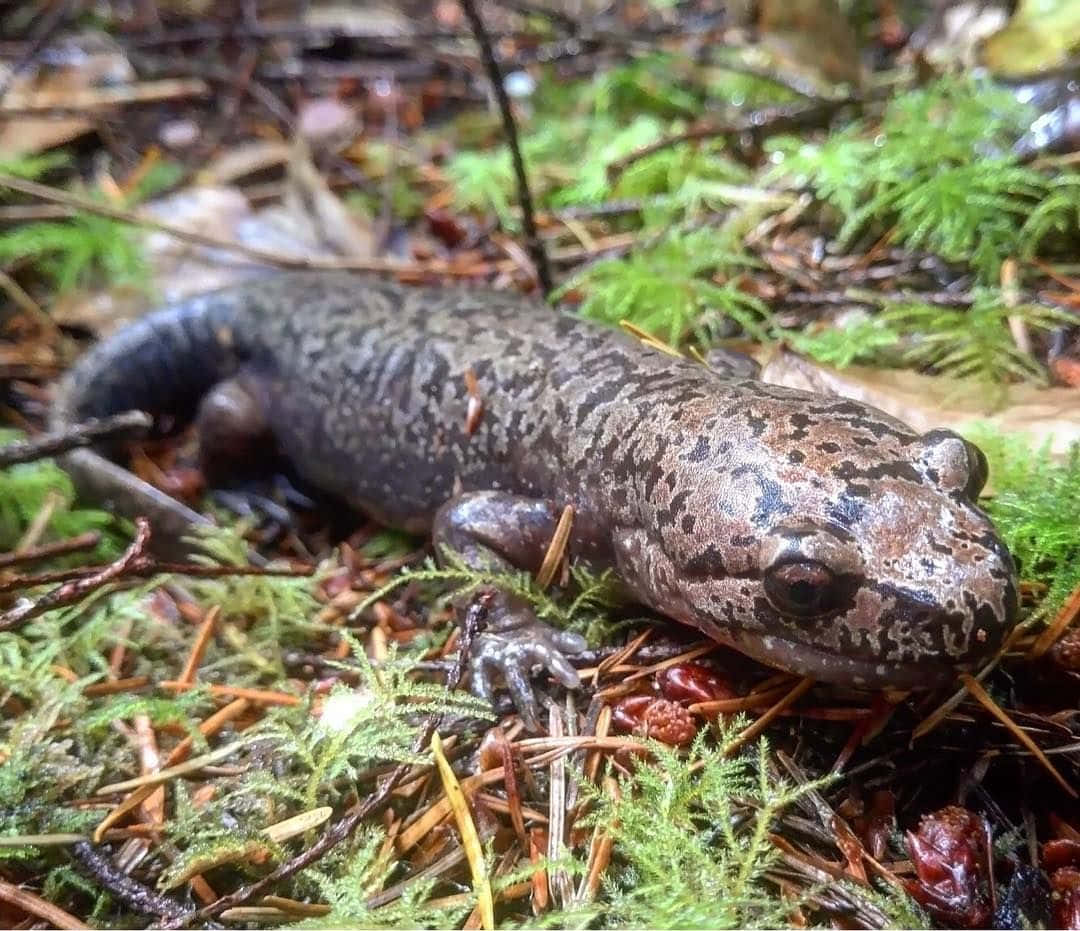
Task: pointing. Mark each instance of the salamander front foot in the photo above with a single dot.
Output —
(514, 645)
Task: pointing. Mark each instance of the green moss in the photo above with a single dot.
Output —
(87, 247)
(937, 173)
(669, 288)
(26, 489)
(973, 342)
(1035, 503)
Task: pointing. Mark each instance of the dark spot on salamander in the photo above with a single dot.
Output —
(678, 503)
(795, 457)
(770, 504)
(905, 471)
(700, 451)
(688, 522)
(756, 424)
(829, 447)
(847, 511)
(709, 563)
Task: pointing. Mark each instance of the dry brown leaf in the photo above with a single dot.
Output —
(72, 67)
(927, 402)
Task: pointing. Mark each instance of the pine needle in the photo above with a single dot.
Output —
(556, 548)
(470, 840)
(754, 730)
(1065, 616)
(298, 824)
(983, 698)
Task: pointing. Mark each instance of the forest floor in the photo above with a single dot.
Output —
(873, 202)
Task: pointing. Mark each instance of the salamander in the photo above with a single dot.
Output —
(815, 534)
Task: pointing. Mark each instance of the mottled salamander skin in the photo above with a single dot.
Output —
(816, 534)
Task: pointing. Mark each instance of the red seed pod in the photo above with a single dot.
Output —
(692, 682)
(627, 713)
(880, 823)
(1066, 650)
(1059, 853)
(658, 718)
(446, 227)
(670, 723)
(949, 852)
(1065, 884)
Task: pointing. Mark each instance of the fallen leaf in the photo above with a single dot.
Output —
(1041, 35)
(65, 69)
(927, 402)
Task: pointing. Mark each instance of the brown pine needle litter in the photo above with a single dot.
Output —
(754, 730)
(35, 905)
(1068, 613)
(983, 698)
(199, 647)
(557, 548)
(470, 840)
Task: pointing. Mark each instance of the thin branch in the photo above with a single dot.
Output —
(760, 124)
(32, 904)
(46, 103)
(145, 567)
(84, 541)
(72, 592)
(121, 886)
(75, 436)
(266, 256)
(475, 618)
(791, 82)
(532, 237)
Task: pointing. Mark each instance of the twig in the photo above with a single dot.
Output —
(532, 237)
(81, 434)
(84, 541)
(146, 566)
(34, 103)
(983, 698)
(71, 592)
(132, 893)
(279, 259)
(341, 830)
(873, 298)
(790, 82)
(760, 124)
(563, 20)
(35, 905)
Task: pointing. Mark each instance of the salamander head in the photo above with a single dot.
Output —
(864, 563)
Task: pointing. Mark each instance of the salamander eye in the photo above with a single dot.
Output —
(803, 589)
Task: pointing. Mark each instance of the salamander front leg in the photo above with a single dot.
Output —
(493, 530)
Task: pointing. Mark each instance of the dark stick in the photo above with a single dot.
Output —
(144, 566)
(84, 541)
(759, 124)
(71, 592)
(133, 894)
(81, 434)
(532, 238)
(475, 617)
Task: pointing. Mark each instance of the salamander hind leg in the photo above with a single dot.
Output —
(491, 530)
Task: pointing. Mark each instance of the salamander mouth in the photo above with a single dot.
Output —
(806, 660)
